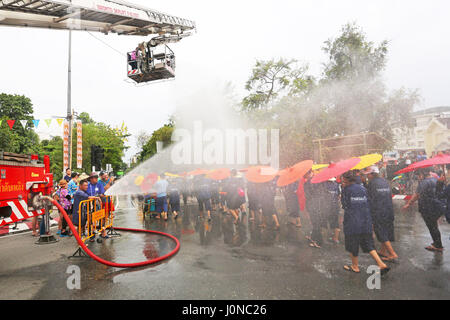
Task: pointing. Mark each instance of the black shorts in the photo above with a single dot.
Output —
(268, 209)
(253, 204)
(175, 206)
(161, 204)
(233, 204)
(384, 230)
(354, 241)
(333, 219)
(204, 204)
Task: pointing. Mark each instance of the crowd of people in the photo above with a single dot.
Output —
(73, 189)
(365, 196)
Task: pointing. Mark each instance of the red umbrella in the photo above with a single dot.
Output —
(219, 174)
(148, 182)
(437, 160)
(335, 169)
(261, 174)
(294, 173)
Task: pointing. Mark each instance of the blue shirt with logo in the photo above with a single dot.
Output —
(357, 217)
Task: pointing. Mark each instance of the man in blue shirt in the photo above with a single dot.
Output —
(79, 196)
(161, 196)
(425, 195)
(382, 211)
(358, 223)
(95, 189)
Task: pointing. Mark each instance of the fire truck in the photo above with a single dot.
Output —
(23, 179)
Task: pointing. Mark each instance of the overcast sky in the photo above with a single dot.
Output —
(230, 35)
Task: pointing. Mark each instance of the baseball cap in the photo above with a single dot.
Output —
(372, 169)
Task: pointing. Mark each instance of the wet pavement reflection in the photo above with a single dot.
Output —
(221, 260)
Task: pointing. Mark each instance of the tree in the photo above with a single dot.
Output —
(141, 139)
(351, 56)
(270, 78)
(54, 149)
(19, 139)
(350, 98)
(163, 134)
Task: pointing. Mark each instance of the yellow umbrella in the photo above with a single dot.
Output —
(138, 181)
(368, 160)
(316, 167)
(171, 174)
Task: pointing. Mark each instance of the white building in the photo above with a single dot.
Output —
(430, 133)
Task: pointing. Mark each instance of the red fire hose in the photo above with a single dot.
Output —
(113, 264)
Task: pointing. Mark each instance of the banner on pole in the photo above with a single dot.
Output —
(66, 146)
(79, 145)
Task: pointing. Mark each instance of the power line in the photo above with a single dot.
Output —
(106, 44)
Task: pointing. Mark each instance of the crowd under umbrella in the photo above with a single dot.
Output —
(261, 174)
(441, 159)
(294, 173)
(335, 169)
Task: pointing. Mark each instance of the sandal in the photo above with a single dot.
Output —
(433, 248)
(313, 244)
(350, 268)
(384, 271)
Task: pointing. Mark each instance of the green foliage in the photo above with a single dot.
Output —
(54, 149)
(163, 134)
(351, 56)
(350, 98)
(100, 134)
(19, 139)
(270, 78)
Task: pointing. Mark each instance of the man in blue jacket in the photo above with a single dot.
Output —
(358, 223)
(382, 210)
(426, 195)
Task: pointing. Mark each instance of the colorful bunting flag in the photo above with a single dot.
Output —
(36, 123)
(24, 123)
(60, 121)
(48, 122)
(11, 123)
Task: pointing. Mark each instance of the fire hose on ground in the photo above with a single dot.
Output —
(114, 264)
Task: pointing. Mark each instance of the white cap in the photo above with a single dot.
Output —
(372, 169)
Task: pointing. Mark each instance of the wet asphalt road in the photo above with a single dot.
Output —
(220, 261)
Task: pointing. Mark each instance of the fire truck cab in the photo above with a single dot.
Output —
(22, 179)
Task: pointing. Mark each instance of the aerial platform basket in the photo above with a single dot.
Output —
(152, 65)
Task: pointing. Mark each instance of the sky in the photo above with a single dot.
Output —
(230, 36)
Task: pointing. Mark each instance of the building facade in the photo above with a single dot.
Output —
(431, 132)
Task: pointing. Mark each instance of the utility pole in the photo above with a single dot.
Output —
(69, 98)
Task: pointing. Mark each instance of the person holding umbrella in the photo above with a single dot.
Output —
(358, 223)
(313, 194)
(425, 195)
(382, 210)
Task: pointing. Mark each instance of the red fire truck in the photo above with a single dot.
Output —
(23, 178)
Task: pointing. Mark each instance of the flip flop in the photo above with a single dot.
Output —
(314, 245)
(431, 248)
(349, 268)
(384, 271)
(394, 260)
